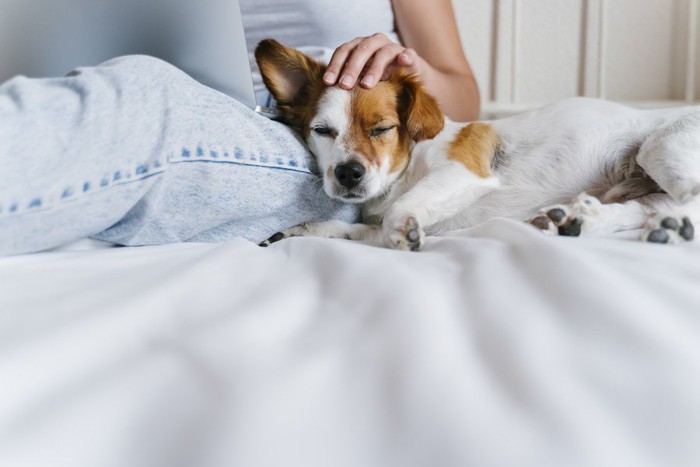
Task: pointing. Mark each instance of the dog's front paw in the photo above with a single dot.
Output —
(296, 231)
(664, 228)
(405, 234)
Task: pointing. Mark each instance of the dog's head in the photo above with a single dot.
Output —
(361, 138)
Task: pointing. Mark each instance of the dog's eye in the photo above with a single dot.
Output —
(380, 130)
(324, 131)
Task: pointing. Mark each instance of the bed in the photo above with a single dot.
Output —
(495, 346)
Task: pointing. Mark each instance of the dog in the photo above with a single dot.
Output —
(580, 166)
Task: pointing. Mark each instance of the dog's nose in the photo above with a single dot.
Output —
(349, 175)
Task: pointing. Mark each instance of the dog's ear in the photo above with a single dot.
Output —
(293, 78)
(418, 109)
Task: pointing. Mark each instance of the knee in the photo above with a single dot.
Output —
(676, 142)
(140, 62)
(143, 66)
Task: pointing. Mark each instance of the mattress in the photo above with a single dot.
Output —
(494, 346)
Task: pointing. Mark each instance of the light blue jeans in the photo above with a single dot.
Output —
(135, 152)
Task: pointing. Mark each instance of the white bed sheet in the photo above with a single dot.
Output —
(495, 346)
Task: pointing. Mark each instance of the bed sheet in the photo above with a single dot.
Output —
(495, 346)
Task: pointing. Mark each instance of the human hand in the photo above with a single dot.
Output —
(369, 60)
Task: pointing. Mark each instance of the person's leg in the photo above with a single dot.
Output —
(136, 152)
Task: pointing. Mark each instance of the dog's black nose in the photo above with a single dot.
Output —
(349, 175)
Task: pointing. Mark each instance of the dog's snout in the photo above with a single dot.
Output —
(349, 175)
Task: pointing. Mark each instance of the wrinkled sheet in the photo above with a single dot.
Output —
(495, 346)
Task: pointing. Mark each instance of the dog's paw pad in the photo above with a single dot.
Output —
(658, 236)
(412, 234)
(557, 215)
(687, 230)
(571, 227)
(669, 223)
(669, 229)
(542, 222)
(407, 236)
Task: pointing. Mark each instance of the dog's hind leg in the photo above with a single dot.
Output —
(587, 215)
(671, 157)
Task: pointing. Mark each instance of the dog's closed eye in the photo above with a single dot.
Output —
(379, 131)
(323, 130)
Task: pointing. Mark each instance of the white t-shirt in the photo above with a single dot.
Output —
(315, 27)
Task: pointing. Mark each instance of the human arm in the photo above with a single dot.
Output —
(431, 49)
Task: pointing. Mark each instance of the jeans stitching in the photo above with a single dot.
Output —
(247, 164)
(237, 156)
(141, 171)
(79, 189)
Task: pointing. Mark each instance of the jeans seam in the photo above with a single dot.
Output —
(240, 164)
(238, 156)
(81, 190)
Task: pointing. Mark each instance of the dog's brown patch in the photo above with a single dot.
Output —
(474, 147)
(372, 110)
(420, 110)
(402, 103)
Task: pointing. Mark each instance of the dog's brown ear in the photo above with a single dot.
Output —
(418, 109)
(294, 79)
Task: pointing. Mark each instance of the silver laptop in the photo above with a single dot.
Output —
(205, 38)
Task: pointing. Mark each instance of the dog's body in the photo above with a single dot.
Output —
(580, 166)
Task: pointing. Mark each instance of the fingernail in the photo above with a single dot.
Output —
(368, 80)
(347, 80)
(329, 77)
(405, 57)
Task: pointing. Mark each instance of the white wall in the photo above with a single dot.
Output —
(529, 52)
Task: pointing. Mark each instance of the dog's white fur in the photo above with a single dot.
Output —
(570, 167)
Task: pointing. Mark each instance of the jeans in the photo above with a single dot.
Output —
(135, 152)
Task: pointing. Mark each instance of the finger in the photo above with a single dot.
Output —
(340, 56)
(358, 59)
(407, 58)
(381, 61)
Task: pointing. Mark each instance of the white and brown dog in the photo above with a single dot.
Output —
(576, 167)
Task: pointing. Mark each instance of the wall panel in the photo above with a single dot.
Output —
(550, 50)
(529, 52)
(640, 52)
(476, 27)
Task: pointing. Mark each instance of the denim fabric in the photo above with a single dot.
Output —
(136, 152)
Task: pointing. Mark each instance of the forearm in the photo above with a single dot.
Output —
(429, 48)
(430, 28)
